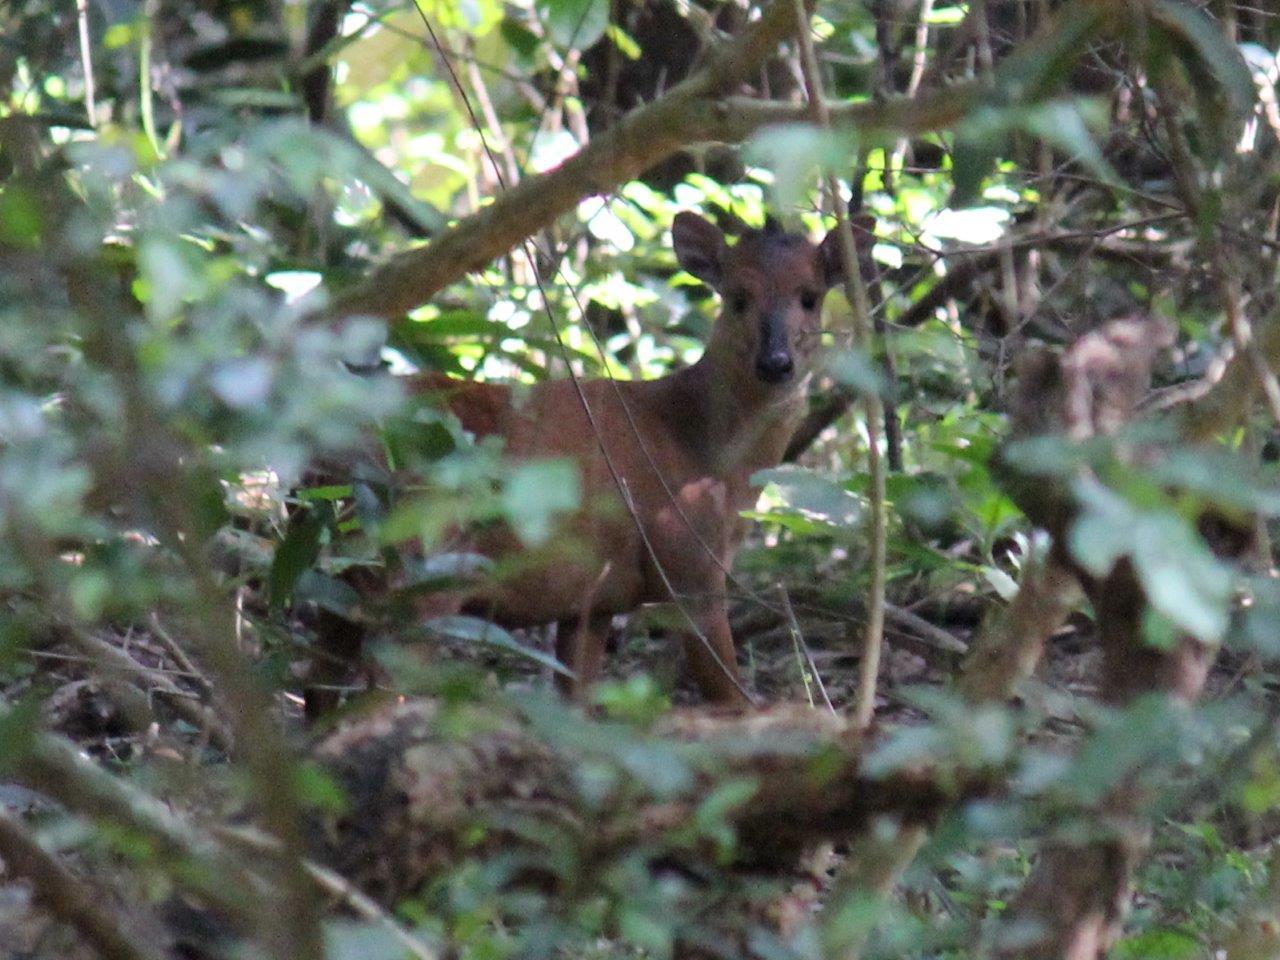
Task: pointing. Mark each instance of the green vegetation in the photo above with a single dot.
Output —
(226, 228)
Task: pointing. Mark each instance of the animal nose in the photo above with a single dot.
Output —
(776, 366)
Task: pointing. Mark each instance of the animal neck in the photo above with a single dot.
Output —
(746, 423)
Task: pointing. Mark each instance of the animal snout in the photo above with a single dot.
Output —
(775, 366)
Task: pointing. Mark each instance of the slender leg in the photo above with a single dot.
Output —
(714, 664)
(580, 645)
(338, 645)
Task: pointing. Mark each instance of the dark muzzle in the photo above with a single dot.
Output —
(774, 363)
(775, 366)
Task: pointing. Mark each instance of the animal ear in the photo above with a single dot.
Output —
(699, 246)
(864, 237)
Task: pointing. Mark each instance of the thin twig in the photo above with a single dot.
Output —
(86, 61)
(115, 660)
(491, 119)
(50, 765)
(918, 62)
(66, 896)
(797, 637)
(175, 650)
(145, 93)
(873, 411)
(1238, 324)
(926, 632)
(337, 885)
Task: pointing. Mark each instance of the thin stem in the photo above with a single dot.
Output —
(1220, 268)
(919, 60)
(145, 97)
(86, 60)
(873, 411)
(67, 897)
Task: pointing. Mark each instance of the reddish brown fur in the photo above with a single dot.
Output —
(704, 430)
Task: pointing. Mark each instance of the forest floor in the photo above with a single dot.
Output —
(76, 702)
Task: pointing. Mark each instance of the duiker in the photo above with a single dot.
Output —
(665, 464)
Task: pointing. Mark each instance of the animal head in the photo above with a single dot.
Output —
(771, 285)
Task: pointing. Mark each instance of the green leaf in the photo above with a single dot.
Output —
(1148, 731)
(1181, 577)
(624, 42)
(536, 492)
(1066, 125)
(1260, 631)
(208, 503)
(475, 630)
(853, 368)
(711, 818)
(575, 23)
(811, 495)
(1219, 477)
(1218, 55)
(242, 382)
(443, 570)
(476, 17)
(328, 593)
(926, 499)
(19, 724)
(318, 790)
(335, 491)
(973, 158)
(1042, 64)
(365, 166)
(1162, 943)
(793, 152)
(652, 934)
(361, 940)
(458, 323)
(255, 98)
(21, 221)
(522, 41)
(298, 551)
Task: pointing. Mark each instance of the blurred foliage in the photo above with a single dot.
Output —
(177, 199)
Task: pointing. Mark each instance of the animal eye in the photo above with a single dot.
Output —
(740, 301)
(808, 299)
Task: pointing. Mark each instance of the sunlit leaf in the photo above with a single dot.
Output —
(536, 493)
(811, 495)
(1180, 575)
(575, 23)
(794, 153)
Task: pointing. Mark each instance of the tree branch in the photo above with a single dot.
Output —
(699, 109)
(65, 896)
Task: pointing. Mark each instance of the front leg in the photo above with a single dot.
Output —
(580, 646)
(712, 658)
(691, 544)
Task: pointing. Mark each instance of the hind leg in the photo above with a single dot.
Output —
(580, 646)
(713, 659)
(338, 645)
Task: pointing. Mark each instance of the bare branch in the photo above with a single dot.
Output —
(65, 896)
(699, 109)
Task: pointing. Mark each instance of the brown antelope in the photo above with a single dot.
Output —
(665, 464)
